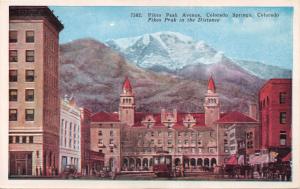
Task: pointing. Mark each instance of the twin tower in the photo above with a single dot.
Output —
(127, 104)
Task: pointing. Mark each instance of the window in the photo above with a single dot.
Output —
(169, 142)
(17, 139)
(186, 142)
(200, 150)
(282, 117)
(179, 141)
(13, 75)
(282, 97)
(10, 139)
(159, 133)
(13, 115)
(179, 150)
(100, 141)
(249, 144)
(159, 141)
(24, 139)
(29, 55)
(29, 75)
(13, 36)
(186, 134)
(225, 141)
(13, 94)
(29, 36)
(170, 150)
(31, 139)
(111, 141)
(29, 95)
(111, 150)
(152, 141)
(282, 138)
(13, 56)
(29, 114)
(211, 150)
(193, 150)
(100, 133)
(111, 133)
(169, 134)
(152, 133)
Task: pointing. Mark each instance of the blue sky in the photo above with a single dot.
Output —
(268, 40)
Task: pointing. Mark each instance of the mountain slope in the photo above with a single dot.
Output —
(170, 52)
(94, 73)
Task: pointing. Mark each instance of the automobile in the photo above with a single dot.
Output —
(105, 172)
(70, 171)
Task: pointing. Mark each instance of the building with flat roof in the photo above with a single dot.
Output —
(34, 101)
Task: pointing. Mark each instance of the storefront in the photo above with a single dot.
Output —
(20, 163)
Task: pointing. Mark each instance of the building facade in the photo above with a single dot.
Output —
(85, 140)
(195, 140)
(106, 139)
(275, 99)
(70, 135)
(33, 91)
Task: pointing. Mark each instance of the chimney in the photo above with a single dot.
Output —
(252, 110)
(163, 115)
(175, 114)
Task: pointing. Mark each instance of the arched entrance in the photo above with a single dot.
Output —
(131, 164)
(145, 163)
(206, 162)
(186, 163)
(193, 162)
(213, 162)
(177, 161)
(199, 162)
(111, 163)
(151, 162)
(138, 163)
(125, 164)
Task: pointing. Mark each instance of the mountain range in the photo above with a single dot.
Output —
(166, 70)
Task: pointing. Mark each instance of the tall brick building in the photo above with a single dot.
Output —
(34, 114)
(275, 99)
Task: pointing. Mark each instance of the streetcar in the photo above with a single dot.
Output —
(162, 164)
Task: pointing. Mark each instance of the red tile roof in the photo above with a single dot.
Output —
(211, 84)
(235, 117)
(127, 85)
(105, 117)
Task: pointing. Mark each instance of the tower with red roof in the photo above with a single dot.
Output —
(211, 103)
(127, 104)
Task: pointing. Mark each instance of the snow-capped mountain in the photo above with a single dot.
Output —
(172, 52)
(168, 49)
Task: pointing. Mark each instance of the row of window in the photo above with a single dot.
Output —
(111, 133)
(29, 75)
(13, 114)
(29, 95)
(170, 134)
(13, 55)
(13, 36)
(281, 98)
(20, 139)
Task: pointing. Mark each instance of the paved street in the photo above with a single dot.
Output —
(203, 176)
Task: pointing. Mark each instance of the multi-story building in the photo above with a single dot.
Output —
(85, 140)
(33, 91)
(193, 139)
(275, 99)
(105, 139)
(70, 135)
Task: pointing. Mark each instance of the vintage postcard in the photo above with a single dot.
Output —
(124, 94)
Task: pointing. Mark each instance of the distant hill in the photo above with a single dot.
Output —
(94, 73)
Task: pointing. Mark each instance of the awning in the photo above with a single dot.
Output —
(232, 160)
(259, 159)
(288, 157)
